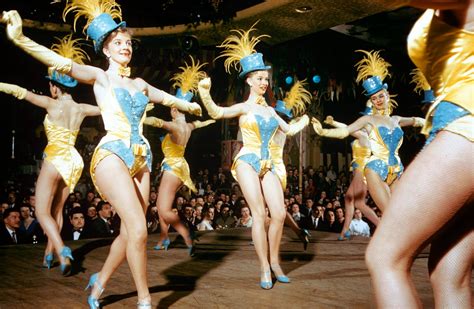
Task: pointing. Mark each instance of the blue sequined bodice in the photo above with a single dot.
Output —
(266, 129)
(391, 139)
(133, 106)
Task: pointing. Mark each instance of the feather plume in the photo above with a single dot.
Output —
(419, 80)
(371, 65)
(298, 98)
(238, 46)
(90, 9)
(190, 76)
(69, 48)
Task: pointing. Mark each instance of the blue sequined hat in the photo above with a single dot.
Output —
(281, 108)
(185, 96)
(253, 62)
(373, 85)
(100, 28)
(429, 97)
(62, 79)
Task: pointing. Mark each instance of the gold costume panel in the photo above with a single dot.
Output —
(175, 163)
(61, 153)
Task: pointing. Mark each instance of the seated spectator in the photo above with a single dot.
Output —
(315, 220)
(188, 215)
(100, 226)
(4, 206)
(77, 230)
(152, 219)
(330, 224)
(91, 214)
(296, 214)
(245, 218)
(359, 226)
(29, 226)
(224, 219)
(206, 223)
(339, 217)
(197, 215)
(9, 231)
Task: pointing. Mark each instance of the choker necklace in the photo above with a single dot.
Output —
(124, 71)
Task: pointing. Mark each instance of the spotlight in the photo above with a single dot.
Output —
(190, 44)
(316, 79)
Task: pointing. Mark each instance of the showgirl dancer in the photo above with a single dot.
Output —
(62, 165)
(357, 191)
(293, 104)
(175, 169)
(121, 163)
(434, 198)
(254, 167)
(384, 166)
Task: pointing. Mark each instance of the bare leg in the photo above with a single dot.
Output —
(49, 180)
(122, 194)
(251, 189)
(379, 190)
(360, 192)
(117, 253)
(450, 263)
(168, 186)
(164, 227)
(274, 198)
(424, 200)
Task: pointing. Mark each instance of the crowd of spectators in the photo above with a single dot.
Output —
(218, 204)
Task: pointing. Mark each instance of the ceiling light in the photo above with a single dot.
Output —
(303, 9)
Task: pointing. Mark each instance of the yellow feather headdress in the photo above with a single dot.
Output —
(239, 46)
(69, 48)
(419, 80)
(188, 79)
(297, 98)
(371, 65)
(90, 9)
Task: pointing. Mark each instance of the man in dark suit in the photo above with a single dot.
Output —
(315, 220)
(77, 230)
(9, 231)
(100, 227)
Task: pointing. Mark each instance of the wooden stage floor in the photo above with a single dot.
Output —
(223, 274)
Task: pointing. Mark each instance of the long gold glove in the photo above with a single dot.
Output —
(51, 59)
(14, 90)
(298, 125)
(418, 122)
(154, 122)
(330, 121)
(204, 87)
(200, 124)
(182, 105)
(334, 133)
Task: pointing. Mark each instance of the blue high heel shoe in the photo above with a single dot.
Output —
(49, 258)
(266, 285)
(67, 254)
(164, 245)
(192, 250)
(280, 278)
(347, 235)
(91, 300)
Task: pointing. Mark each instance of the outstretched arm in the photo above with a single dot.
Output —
(201, 124)
(90, 110)
(297, 125)
(342, 132)
(159, 96)
(83, 73)
(411, 121)
(215, 111)
(23, 94)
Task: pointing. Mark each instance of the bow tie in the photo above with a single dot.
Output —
(261, 101)
(124, 71)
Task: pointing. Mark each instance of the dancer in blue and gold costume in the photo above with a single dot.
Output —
(122, 161)
(62, 165)
(253, 166)
(175, 169)
(385, 135)
(434, 198)
(293, 104)
(357, 191)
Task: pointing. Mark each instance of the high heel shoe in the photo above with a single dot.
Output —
(67, 254)
(192, 250)
(48, 261)
(347, 235)
(280, 278)
(164, 245)
(304, 236)
(91, 300)
(264, 284)
(143, 305)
